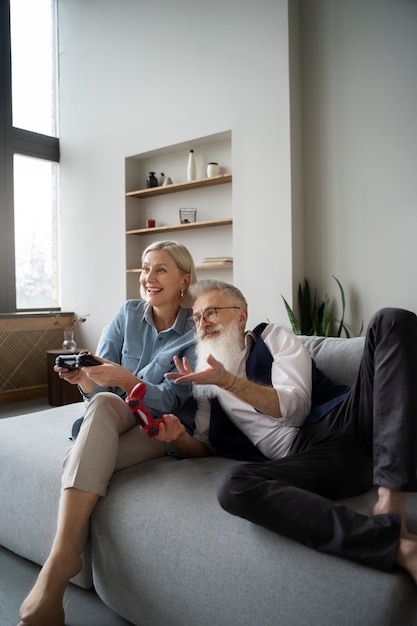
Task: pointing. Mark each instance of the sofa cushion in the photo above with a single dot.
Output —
(165, 552)
(337, 357)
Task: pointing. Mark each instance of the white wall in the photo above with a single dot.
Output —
(360, 150)
(136, 76)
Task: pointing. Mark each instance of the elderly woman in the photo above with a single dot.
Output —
(139, 345)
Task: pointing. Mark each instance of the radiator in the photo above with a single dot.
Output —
(24, 340)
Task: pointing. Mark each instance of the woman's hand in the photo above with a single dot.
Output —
(108, 374)
(74, 377)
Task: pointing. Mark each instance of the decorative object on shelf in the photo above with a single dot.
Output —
(69, 344)
(188, 215)
(213, 169)
(191, 168)
(150, 223)
(151, 180)
(165, 180)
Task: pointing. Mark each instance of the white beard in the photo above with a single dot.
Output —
(226, 347)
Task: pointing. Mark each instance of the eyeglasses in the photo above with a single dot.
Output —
(209, 315)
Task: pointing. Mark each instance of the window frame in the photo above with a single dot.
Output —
(13, 141)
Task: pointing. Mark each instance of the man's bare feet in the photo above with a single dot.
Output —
(392, 501)
(406, 556)
(44, 604)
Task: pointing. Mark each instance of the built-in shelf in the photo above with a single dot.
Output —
(211, 196)
(192, 225)
(184, 186)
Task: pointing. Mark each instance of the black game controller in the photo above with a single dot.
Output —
(75, 361)
(86, 360)
(67, 360)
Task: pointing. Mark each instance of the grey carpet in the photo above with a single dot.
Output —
(83, 607)
(23, 407)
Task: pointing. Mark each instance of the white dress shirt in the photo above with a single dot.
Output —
(291, 378)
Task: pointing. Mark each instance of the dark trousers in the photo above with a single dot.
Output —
(370, 439)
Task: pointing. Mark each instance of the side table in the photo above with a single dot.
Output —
(59, 391)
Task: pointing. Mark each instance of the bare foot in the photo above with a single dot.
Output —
(392, 501)
(406, 556)
(44, 604)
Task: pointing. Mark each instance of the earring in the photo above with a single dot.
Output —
(182, 294)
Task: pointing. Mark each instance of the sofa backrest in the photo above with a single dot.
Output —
(337, 357)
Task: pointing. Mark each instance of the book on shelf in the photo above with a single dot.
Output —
(218, 259)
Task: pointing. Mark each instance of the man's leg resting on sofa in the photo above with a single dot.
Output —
(256, 492)
(44, 604)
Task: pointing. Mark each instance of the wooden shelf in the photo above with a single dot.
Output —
(202, 266)
(214, 266)
(191, 226)
(176, 187)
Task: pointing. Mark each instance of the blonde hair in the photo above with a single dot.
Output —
(184, 261)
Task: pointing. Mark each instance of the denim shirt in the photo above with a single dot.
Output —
(133, 341)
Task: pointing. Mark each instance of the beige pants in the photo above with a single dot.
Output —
(109, 440)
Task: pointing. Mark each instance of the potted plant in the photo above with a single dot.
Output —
(316, 316)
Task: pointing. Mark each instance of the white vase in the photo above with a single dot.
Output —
(191, 168)
(213, 169)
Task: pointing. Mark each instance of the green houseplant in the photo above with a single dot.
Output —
(316, 315)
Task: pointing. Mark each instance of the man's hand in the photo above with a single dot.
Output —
(263, 398)
(215, 374)
(171, 429)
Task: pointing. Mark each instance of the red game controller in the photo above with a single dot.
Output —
(134, 401)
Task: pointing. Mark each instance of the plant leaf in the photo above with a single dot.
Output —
(341, 322)
(291, 316)
(304, 302)
(327, 320)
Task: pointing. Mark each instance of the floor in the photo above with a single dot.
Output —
(82, 606)
(20, 408)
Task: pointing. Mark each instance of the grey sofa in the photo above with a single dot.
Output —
(161, 551)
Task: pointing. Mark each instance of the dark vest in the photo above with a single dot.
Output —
(229, 441)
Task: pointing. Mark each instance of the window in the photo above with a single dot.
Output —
(32, 27)
(29, 156)
(35, 233)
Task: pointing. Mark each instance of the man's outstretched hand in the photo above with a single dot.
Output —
(215, 374)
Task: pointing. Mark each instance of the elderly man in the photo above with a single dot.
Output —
(268, 401)
(255, 401)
